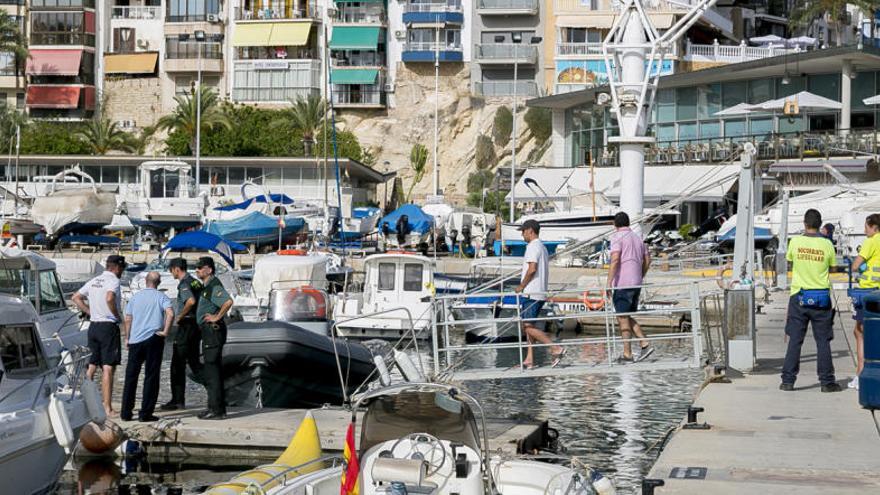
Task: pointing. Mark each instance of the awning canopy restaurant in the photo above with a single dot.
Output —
(846, 166)
(131, 63)
(605, 21)
(354, 38)
(42, 62)
(707, 183)
(53, 96)
(354, 76)
(271, 34)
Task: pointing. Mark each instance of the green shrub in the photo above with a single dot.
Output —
(485, 152)
(503, 126)
(52, 138)
(479, 180)
(685, 230)
(540, 123)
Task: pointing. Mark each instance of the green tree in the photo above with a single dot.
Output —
(540, 123)
(484, 153)
(13, 41)
(479, 180)
(493, 201)
(101, 136)
(184, 118)
(140, 141)
(808, 11)
(10, 119)
(347, 145)
(418, 159)
(52, 138)
(503, 126)
(306, 114)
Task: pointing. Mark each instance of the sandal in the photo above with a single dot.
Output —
(557, 358)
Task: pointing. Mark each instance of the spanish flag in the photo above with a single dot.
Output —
(349, 484)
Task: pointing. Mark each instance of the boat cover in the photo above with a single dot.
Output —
(74, 270)
(289, 272)
(419, 221)
(73, 206)
(275, 198)
(761, 234)
(204, 241)
(253, 225)
(364, 211)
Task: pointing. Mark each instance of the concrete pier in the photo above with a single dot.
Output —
(763, 440)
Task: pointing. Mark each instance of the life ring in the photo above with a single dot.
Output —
(398, 251)
(315, 295)
(592, 301)
(292, 252)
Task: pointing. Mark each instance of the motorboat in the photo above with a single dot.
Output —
(73, 273)
(31, 276)
(43, 406)
(165, 198)
(395, 299)
(74, 203)
(363, 221)
(15, 215)
(468, 228)
(432, 438)
(407, 226)
(579, 222)
(259, 229)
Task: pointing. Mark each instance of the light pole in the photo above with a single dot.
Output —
(200, 37)
(386, 164)
(436, 109)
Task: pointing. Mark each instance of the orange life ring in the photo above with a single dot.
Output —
(310, 292)
(293, 252)
(400, 252)
(592, 301)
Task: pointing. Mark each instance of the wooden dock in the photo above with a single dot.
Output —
(763, 440)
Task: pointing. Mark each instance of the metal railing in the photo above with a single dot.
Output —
(62, 4)
(87, 39)
(506, 88)
(369, 14)
(430, 46)
(361, 59)
(269, 14)
(610, 6)
(375, 97)
(147, 12)
(507, 51)
(433, 7)
(177, 50)
(507, 5)
(579, 48)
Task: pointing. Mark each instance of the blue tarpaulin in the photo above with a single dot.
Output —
(418, 221)
(254, 228)
(364, 211)
(276, 198)
(518, 248)
(761, 234)
(204, 241)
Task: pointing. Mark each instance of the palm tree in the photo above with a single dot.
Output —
(141, 140)
(306, 114)
(183, 118)
(808, 11)
(102, 136)
(13, 41)
(418, 157)
(10, 120)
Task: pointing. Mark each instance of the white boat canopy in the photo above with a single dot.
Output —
(170, 166)
(289, 271)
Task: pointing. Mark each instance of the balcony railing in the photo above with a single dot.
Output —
(359, 15)
(433, 7)
(587, 6)
(508, 5)
(506, 88)
(276, 14)
(372, 98)
(191, 17)
(733, 53)
(61, 4)
(86, 39)
(140, 12)
(430, 46)
(363, 59)
(501, 52)
(578, 49)
(191, 50)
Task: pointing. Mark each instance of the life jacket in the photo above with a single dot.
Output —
(870, 277)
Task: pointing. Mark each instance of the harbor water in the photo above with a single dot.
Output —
(612, 422)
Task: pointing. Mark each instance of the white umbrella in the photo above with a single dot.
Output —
(768, 39)
(738, 109)
(805, 101)
(874, 100)
(801, 40)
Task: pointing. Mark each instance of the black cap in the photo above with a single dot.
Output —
(206, 261)
(177, 263)
(115, 259)
(530, 224)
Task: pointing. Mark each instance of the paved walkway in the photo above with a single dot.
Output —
(764, 440)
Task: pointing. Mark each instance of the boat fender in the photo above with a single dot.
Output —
(593, 301)
(384, 376)
(292, 252)
(602, 484)
(61, 423)
(92, 398)
(407, 368)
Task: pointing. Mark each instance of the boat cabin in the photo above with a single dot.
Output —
(162, 179)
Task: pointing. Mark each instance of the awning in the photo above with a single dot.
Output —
(354, 38)
(590, 21)
(130, 63)
(354, 76)
(53, 62)
(53, 96)
(662, 21)
(290, 33)
(847, 166)
(252, 34)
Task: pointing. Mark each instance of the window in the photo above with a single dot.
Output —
(791, 124)
(7, 64)
(123, 40)
(666, 133)
(734, 128)
(666, 105)
(236, 175)
(51, 297)
(386, 276)
(762, 128)
(109, 174)
(128, 175)
(862, 120)
(574, 35)
(12, 281)
(19, 100)
(710, 130)
(687, 103)
(20, 350)
(412, 277)
(191, 10)
(862, 87)
(164, 184)
(827, 85)
(760, 90)
(733, 94)
(215, 176)
(710, 100)
(687, 131)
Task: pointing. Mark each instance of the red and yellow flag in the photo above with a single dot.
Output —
(349, 484)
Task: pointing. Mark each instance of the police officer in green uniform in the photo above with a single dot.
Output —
(188, 337)
(214, 303)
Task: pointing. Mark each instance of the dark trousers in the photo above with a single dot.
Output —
(213, 339)
(185, 352)
(146, 354)
(822, 321)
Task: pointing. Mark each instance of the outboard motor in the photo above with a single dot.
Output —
(466, 235)
(403, 230)
(453, 238)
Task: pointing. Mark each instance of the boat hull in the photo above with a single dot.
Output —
(277, 364)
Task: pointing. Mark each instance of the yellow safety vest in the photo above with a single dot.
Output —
(870, 251)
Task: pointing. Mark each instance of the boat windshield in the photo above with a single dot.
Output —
(390, 417)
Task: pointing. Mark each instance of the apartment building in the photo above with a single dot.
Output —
(359, 54)
(11, 87)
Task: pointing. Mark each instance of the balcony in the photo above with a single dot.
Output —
(433, 13)
(578, 49)
(302, 12)
(207, 17)
(358, 59)
(353, 97)
(62, 38)
(507, 54)
(62, 4)
(274, 80)
(150, 13)
(505, 88)
(724, 54)
(507, 7)
(185, 57)
(369, 14)
(428, 51)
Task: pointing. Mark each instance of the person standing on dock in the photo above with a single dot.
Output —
(811, 256)
(148, 319)
(104, 309)
(533, 286)
(630, 261)
(867, 264)
(214, 303)
(188, 337)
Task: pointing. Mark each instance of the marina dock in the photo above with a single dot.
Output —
(763, 440)
(262, 434)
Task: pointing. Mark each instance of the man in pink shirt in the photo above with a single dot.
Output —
(629, 264)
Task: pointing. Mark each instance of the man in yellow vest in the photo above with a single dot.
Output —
(869, 255)
(811, 256)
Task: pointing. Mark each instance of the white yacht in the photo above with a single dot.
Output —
(579, 222)
(165, 198)
(73, 203)
(43, 406)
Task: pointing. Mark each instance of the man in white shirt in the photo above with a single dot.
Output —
(533, 286)
(104, 309)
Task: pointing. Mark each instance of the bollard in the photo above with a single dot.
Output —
(692, 419)
(869, 378)
(649, 484)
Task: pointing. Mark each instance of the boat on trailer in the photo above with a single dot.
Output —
(166, 197)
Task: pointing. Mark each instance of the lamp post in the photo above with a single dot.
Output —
(200, 38)
(386, 164)
(436, 174)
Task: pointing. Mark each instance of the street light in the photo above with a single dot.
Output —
(386, 164)
(516, 38)
(200, 39)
